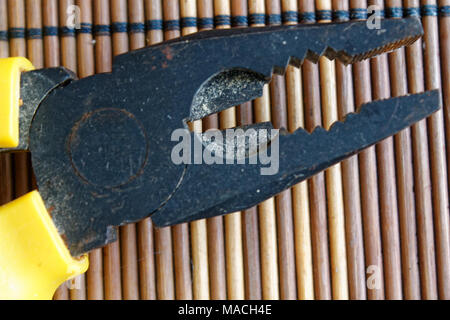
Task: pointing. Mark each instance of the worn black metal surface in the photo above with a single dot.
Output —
(101, 146)
(34, 87)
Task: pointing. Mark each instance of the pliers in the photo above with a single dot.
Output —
(103, 148)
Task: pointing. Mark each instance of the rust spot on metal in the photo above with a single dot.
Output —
(168, 52)
(64, 239)
(50, 210)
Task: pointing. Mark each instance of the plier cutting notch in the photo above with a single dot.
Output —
(101, 146)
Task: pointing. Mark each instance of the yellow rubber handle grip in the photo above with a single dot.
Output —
(10, 70)
(34, 260)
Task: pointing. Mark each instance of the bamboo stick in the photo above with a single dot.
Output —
(119, 23)
(136, 17)
(86, 67)
(52, 59)
(180, 233)
(437, 141)
(103, 63)
(319, 228)
(216, 240)
(6, 183)
(444, 26)
(17, 47)
(188, 14)
(51, 41)
(200, 260)
(77, 285)
(67, 34)
(145, 242)
(16, 24)
(250, 235)
(153, 13)
(165, 289)
(266, 209)
(444, 31)
(216, 251)
(285, 224)
(128, 249)
(232, 222)
(5, 159)
(35, 48)
(6, 179)
(368, 176)
(387, 184)
(102, 33)
(350, 177)
(146, 251)
(85, 44)
(422, 185)
(234, 255)
(300, 197)
(333, 175)
(164, 264)
(407, 212)
(36, 54)
(199, 237)
(5, 175)
(4, 47)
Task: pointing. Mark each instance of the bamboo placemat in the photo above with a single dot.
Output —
(375, 226)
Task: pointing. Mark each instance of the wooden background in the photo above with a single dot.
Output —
(375, 226)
